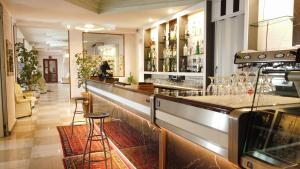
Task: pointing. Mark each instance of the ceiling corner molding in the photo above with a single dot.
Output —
(101, 6)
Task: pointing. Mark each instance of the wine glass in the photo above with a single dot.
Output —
(227, 85)
(220, 86)
(210, 87)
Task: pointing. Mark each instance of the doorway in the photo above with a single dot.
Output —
(50, 70)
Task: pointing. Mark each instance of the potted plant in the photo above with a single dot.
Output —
(29, 74)
(87, 66)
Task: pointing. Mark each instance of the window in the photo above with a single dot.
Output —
(223, 7)
(236, 5)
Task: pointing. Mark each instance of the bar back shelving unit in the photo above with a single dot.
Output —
(182, 42)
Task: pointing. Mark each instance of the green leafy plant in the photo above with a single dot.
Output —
(29, 74)
(131, 79)
(87, 67)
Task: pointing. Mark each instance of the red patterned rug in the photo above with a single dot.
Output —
(127, 139)
(74, 145)
(75, 162)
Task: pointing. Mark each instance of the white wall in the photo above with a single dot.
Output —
(10, 80)
(280, 34)
(131, 59)
(75, 42)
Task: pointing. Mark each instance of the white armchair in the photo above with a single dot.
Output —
(24, 102)
(23, 107)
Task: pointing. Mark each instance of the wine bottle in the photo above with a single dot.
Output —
(197, 52)
(185, 50)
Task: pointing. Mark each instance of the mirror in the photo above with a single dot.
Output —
(109, 47)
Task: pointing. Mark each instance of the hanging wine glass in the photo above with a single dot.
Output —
(227, 85)
(209, 90)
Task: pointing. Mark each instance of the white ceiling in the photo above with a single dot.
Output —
(46, 40)
(44, 22)
(63, 13)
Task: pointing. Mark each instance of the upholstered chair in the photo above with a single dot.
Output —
(23, 107)
(24, 95)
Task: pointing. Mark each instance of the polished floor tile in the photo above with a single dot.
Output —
(34, 143)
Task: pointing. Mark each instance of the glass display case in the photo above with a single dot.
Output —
(273, 132)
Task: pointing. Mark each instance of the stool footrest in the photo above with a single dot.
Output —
(79, 112)
(98, 139)
(94, 161)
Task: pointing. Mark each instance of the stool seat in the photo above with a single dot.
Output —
(99, 137)
(98, 115)
(80, 98)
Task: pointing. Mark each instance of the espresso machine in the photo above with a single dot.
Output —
(272, 133)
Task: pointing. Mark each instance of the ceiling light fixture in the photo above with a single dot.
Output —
(150, 20)
(68, 26)
(92, 27)
(89, 26)
(170, 11)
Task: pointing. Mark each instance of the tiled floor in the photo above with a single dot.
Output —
(34, 142)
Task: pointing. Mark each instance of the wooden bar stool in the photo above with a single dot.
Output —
(97, 137)
(77, 99)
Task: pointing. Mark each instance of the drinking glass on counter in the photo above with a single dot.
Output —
(241, 83)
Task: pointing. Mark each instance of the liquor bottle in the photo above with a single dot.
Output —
(165, 36)
(149, 62)
(202, 46)
(153, 68)
(174, 66)
(183, 69)
(174, 53)
(185, 50)
(197, 52)
(164, 66)
(199, 66)
(167, 64)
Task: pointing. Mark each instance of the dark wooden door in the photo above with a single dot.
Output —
(50, 70)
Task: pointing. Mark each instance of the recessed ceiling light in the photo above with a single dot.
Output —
(89, 26)
(68, 26)
(150, 20)
(92, 28)
(170, 11)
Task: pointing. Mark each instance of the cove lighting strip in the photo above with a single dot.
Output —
(129, 103)
(118, 151)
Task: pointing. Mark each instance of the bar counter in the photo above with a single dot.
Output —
(177, 137)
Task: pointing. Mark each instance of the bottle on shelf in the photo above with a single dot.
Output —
(165, 36)
(174, 52)
(183, 68)
(167, 64)
(202, 47)
(185, 50)
(197, 52)
(153, 66)
(199, 65)
(149, 61)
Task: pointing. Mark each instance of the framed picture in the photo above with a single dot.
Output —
(9, 58)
